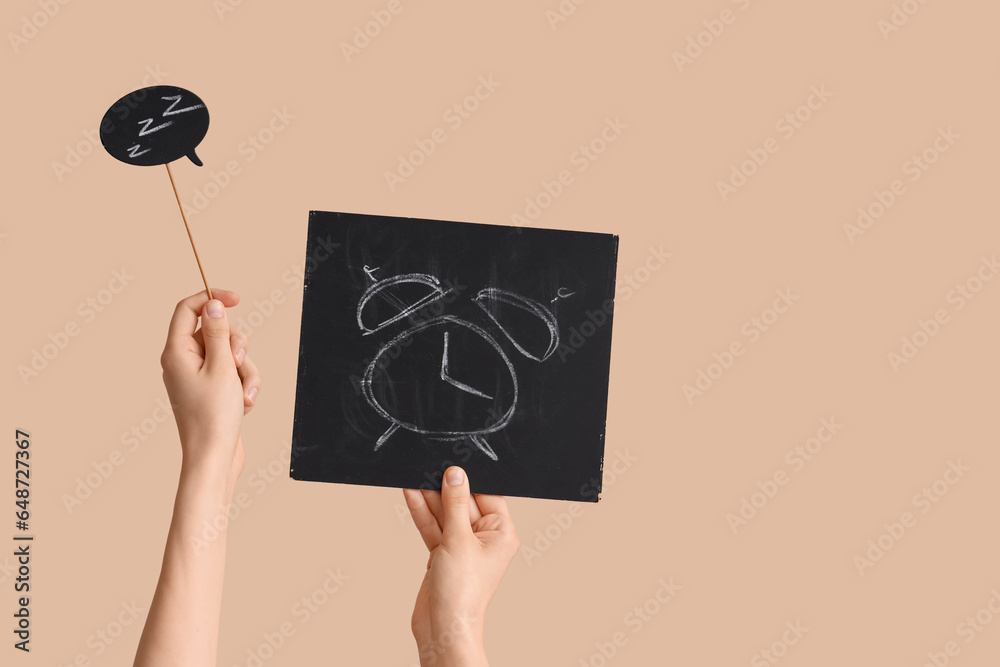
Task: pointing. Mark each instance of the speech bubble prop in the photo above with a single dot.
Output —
(155, 125)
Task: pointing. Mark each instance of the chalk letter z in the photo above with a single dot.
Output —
(177, 98)
(132, 151)
(149, 121)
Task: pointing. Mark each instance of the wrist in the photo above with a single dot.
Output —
(455, 639)
(208, 449)
(208, 473)
(461, 653)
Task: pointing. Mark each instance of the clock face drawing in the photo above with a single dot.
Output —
(445, 377)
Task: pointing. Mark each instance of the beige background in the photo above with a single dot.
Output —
(66, 229)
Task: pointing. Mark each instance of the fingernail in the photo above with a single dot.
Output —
(215, 308)
(455, 477)
(252, 394)
(239, 357)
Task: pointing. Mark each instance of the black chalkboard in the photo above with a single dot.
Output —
(428, 343)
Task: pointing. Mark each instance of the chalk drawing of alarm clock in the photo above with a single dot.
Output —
(445, 377)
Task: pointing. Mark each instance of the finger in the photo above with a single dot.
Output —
(240, 344)
(433, 500)
(423, 518)
(186, 313)
(251, 379)
(492, 504)
(475, 514)
(497, 520)
(455, 501)
(198, 338)
(215, 330)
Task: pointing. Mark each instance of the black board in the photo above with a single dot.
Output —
(428, 343)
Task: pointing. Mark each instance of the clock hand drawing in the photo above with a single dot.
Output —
(452, 381)
(402, 386)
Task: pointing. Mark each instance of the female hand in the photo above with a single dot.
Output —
(472, 541)
(210, 379)
(212, 384)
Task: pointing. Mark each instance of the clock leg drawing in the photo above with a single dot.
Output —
(385, 436)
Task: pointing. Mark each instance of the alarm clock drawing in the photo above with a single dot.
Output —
(445, 377)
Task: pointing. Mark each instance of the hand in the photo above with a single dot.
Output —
(472, 541)
(210, 379)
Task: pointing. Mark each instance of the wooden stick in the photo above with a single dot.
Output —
(188, 227)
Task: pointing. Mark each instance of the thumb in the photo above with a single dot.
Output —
(455, 501)
(215, 331)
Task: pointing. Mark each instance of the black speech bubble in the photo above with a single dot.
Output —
(155, 125)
